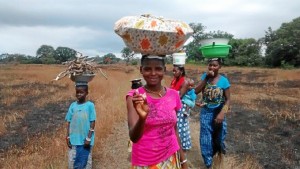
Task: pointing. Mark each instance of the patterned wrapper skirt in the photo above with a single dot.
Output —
(80, 158)
(212, 135)
(171, 163)
(183, 127)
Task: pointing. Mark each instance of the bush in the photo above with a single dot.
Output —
(134, 62)
(285, 65)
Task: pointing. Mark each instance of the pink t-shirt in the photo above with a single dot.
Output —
(159, 139)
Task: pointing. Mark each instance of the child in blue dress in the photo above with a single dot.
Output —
(215, 89)
(80, 119)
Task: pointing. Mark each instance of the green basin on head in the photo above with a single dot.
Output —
(212, 51)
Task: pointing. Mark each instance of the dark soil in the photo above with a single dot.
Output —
(276, 106)
(274, 147)
(289, 84)
(37, 120)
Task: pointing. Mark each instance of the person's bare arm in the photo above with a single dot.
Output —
(87, 141)
(67, 137)
(137, 111)
(227, 97)
(221, 115)
(182, 155)
(200, 86)
(184, 88)
(92, 126)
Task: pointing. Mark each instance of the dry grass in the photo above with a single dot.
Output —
(231, 162)
(49, 150)
(9, 119)
(40, 152)
(18, 84)
(262, 88)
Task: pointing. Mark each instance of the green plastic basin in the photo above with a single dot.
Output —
(212, 51)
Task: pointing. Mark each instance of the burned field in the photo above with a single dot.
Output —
(33, 109)
(264, 121)
(24, 119)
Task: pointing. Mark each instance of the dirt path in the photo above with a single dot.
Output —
(114, 152)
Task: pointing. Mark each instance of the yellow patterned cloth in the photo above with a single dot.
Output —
(171, 163)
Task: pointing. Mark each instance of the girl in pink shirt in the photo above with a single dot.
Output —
(152, 120)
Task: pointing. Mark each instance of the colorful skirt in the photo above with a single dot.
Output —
(212, 135)
(171, 163)
(183, 127)
(80, 158)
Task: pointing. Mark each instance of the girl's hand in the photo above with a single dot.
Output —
(87, 144)
(184, 166)
(140, 104)
(220, 117)
(200, 104)
(210, 73)
(68, 142)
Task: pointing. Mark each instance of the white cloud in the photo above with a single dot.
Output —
(29, 39)
(87, 26)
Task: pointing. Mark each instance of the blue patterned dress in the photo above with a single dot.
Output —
(183, 127)
(212, 135)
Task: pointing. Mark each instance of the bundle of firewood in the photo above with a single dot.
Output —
(79, 67)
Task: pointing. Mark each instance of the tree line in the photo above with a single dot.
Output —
(278, 48)
(46, 54)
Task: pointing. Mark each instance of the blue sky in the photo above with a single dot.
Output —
(87, 25)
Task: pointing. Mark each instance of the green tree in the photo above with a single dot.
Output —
(127, 54)
(192, 49)
(46, 54)
(110, 58)
(4, 57)
(63, 54)
(283, 45)
(218, 34)
(19, 58)
(245, 52)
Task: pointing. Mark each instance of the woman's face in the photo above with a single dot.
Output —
(214, 66)
(176, 72)
(153, 71)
